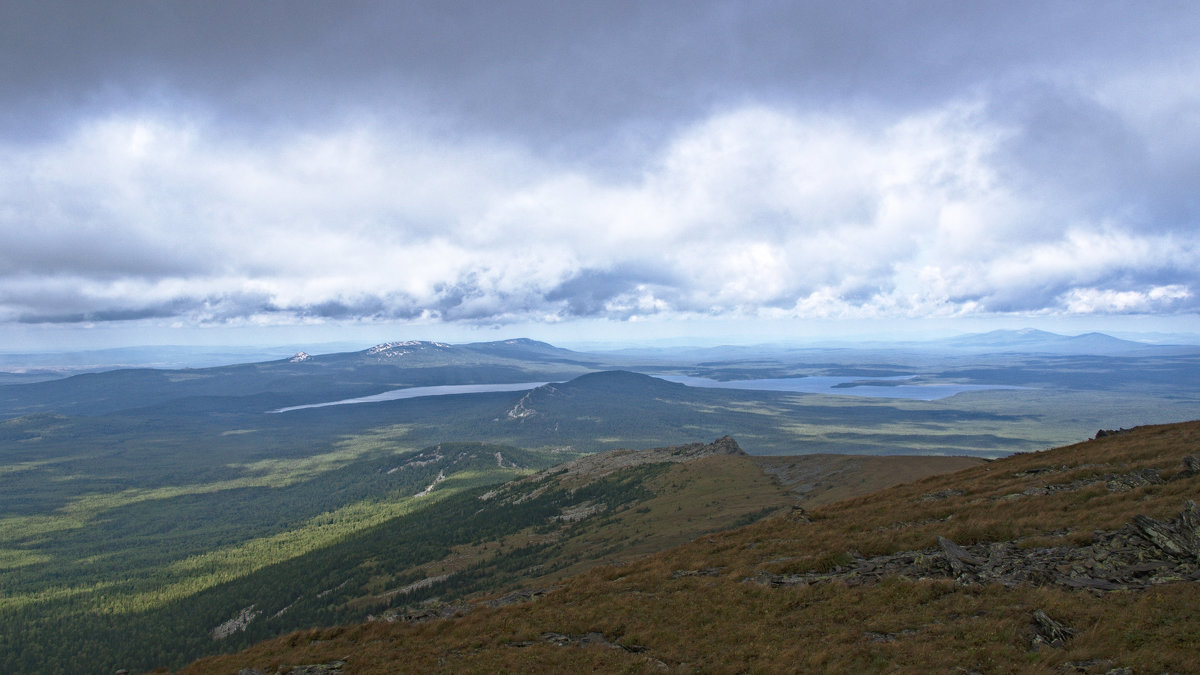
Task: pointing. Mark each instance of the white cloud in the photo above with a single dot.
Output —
(1154, 300)
(751, 212)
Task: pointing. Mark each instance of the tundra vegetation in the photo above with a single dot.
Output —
(816, 589)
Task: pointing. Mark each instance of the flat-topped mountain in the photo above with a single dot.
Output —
(1039, 341)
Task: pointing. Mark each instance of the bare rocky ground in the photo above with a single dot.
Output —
(1144, 553)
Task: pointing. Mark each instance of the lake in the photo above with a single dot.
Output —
(417, 392)
(876, 387)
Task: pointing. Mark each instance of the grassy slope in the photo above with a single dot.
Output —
(723, 624)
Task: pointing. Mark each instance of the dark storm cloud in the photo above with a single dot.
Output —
(573, 73)
(591, 292)
(1068, 147)
(214, 309)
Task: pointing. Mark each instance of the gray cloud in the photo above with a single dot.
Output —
(484, 163)
(593, 292)
(573, 75)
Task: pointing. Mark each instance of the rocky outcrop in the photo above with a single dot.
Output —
(518, 597)
(705, 572)
(331, 668)
(1114, 482)
(524, 407)
(421, 614)
(1047, 631)
(578, 512)
(1144, 553)
(579, 640)
(237, 623)
(1178, 539)
(1191, 466)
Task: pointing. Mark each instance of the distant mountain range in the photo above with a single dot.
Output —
(1024, 341)
(1040, 341)
(303, 378)
(28, 367)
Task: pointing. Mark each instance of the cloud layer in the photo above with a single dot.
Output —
(1053, 186)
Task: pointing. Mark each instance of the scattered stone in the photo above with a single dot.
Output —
(1111, 432)
(1133, 479)
(580, 640)
(960, 561)
(1114, 482)
(1047, 631)
(421, 614)
(941, 494)
(1140, 555)
(706, 572)
(1089, 666)
(1038, 470)
(331, 668)
(799, 515)
(886, 637)
(578, 512)
(517, 597)
(1191, 466)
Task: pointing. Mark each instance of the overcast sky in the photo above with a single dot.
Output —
(425, 168)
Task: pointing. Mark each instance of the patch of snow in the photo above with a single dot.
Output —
(391, 349)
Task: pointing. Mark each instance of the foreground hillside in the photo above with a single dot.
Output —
(1081, 559)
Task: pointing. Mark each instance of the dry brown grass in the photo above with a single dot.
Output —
(723, 624)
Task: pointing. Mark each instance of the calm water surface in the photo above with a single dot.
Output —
(819, 384)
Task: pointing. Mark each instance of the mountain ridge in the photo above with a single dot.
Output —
(813, 589)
